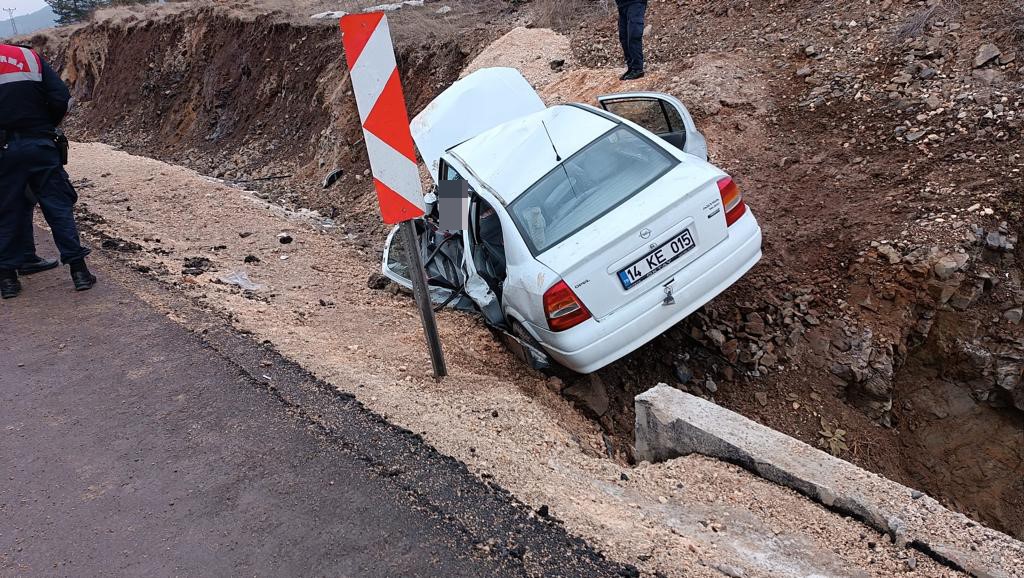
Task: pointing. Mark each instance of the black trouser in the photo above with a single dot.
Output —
(34, 163)
(631, 31)
(27, 239)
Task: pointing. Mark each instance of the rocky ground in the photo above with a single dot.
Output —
(878, 144)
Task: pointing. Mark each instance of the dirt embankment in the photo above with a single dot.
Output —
(881, 159)
(692, 517)
(879, 147)
(880, 324)
(249, 97)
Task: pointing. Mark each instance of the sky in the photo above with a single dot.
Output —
(23, 7)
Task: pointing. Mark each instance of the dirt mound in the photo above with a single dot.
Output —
(691, 517)
(539, 53)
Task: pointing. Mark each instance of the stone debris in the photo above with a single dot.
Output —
(329, 15)
(590, 394)
(986, 53)
(671, 424)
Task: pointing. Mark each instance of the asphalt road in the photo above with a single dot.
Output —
(131, 446)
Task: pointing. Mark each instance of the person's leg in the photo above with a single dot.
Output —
(12, 212)
(623, 36)
(28, 240)
(635, 35)
(57, 199)
(31, 262)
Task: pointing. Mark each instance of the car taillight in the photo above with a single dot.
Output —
(562, 308)
(732, 199)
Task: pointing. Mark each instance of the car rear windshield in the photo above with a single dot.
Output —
(586, 186)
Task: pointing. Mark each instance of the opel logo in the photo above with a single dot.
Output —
(645, 234)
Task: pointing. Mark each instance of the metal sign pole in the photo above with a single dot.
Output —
(423, 302)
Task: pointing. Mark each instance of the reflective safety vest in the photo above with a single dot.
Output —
(19, 64)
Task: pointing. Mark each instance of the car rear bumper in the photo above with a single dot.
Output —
(594, 344)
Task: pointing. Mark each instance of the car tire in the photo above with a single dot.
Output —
(520, 331)
(555, 369)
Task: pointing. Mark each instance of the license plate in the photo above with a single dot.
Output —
(657, 259)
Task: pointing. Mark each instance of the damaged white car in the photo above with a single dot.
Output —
(592, 230)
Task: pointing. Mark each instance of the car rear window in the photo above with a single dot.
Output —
(601, 176)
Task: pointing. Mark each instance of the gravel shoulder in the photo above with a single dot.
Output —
(133, 447)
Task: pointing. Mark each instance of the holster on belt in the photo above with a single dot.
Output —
(62, 145)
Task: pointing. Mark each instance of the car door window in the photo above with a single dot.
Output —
(652, 114)
(448, 173)
(647, 113)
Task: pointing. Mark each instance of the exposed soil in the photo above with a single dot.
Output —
(831, 183)
(866, 140)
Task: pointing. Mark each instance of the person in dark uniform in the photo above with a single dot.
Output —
(631, 36)
(33, 102)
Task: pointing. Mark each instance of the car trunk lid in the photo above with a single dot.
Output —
(646, 243)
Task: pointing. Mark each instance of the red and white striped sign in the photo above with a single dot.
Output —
(381, 104)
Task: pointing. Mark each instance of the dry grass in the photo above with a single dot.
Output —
(564, 14)
(915, 25)
(1015, 15)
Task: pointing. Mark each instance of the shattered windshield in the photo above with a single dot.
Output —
(600, 177)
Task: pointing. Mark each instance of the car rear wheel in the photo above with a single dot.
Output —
(554, 368)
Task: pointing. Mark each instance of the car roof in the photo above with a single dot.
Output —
(511, 157)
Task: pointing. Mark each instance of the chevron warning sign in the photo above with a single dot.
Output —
(381, 104)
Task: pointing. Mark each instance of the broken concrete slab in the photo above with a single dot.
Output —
(671, 423)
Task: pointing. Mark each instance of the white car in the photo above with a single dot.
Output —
(591, 230)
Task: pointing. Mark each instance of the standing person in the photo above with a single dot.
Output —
(33, 102)
(631, 36)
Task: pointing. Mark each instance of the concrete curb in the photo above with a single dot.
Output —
(671, 423)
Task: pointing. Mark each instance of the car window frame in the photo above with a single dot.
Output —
(510, 209)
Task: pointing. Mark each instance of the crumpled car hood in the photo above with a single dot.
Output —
(474, 104)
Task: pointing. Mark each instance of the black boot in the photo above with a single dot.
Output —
(9, 284)
(83, 279)
(36, 265)
(632, 75)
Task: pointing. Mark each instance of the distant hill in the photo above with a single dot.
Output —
(28, 23)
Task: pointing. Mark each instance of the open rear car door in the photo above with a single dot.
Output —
(661, 114)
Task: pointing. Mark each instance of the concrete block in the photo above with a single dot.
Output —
(671, 423)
